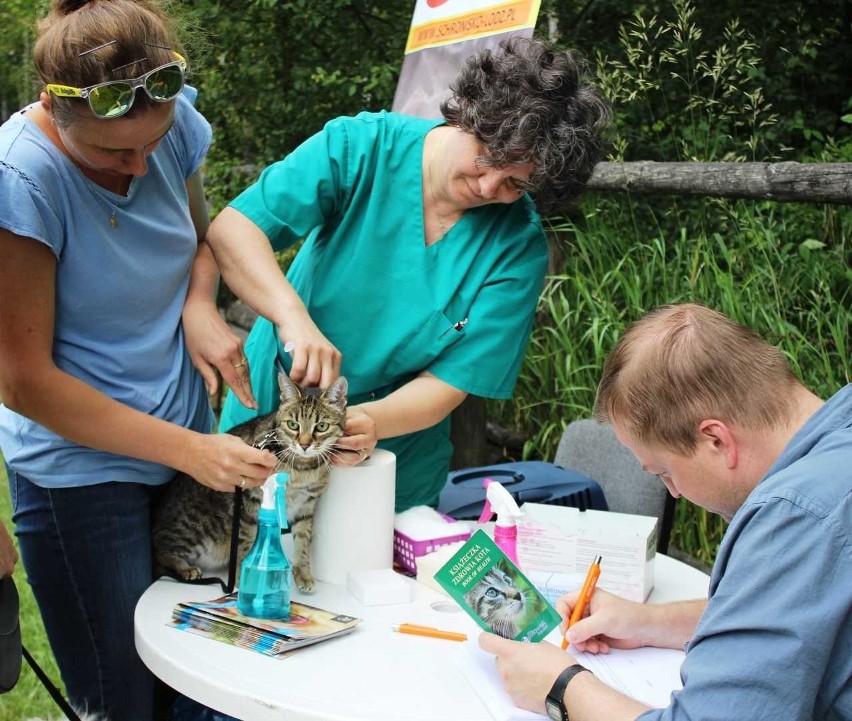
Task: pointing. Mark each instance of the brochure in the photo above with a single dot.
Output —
(494, 592)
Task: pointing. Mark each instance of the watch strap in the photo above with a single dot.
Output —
(555, 701)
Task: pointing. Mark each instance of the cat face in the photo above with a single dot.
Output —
(498, 601)
(309, 422)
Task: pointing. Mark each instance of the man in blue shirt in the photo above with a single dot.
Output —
(717, 413)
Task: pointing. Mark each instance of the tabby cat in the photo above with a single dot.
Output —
(192, 523)
(498, 601)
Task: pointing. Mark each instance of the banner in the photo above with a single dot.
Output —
(443, 34)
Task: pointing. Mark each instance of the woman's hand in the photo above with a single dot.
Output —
(359, 439)
(316, 362)
(610, 622)
(224, 462)
(8, 554)
(213, 346)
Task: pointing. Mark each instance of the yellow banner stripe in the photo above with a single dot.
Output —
(498, 19)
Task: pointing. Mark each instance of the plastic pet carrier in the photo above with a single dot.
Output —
(528, 481)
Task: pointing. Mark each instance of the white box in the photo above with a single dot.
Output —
(565, 540)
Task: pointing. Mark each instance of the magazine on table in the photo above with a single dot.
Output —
(221, 620)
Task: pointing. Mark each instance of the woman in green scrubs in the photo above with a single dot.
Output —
(424, 253)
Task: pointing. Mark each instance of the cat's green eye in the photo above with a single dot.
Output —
(293, 425)
(321, 427)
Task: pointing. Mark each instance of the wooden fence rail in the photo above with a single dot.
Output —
(793, 182)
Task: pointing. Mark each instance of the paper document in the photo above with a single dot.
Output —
(647, 674)
(480, 670)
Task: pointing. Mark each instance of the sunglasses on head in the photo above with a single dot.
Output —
(114, 98)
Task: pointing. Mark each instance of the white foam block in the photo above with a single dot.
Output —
(379, 587)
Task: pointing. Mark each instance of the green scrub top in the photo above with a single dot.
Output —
(461, 308)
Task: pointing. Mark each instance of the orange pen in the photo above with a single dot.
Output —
(585, 596)
(416, 630)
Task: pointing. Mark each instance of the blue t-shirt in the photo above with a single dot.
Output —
(119, 291)
(775, 641)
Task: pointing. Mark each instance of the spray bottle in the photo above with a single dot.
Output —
(265, 576)
(498, 500)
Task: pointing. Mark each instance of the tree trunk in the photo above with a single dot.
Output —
(467, 432)
(797, 182)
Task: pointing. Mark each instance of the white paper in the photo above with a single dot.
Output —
(648, 675)
(480, 670)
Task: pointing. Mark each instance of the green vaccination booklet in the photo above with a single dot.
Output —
(492, 589)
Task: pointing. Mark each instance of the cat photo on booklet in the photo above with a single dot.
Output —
(500, 599)
(192, 523)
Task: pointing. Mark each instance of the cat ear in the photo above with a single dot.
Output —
(289, 391)
(336, 392)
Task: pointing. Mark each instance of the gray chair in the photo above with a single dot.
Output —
(594, 450)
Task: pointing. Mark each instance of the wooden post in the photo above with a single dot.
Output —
(467, 432)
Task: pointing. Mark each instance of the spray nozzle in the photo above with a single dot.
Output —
(275, 496)
(498, 500)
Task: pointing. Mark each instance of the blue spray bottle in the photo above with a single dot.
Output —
(266, 575)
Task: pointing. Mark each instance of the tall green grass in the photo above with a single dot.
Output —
(783, 270)
(28, 699)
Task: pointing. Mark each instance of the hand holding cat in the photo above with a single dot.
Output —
(212, 346)
(359, 440)
(220, 461)
(316, 362)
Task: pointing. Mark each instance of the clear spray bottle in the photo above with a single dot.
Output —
(266, 574)
(498, 500)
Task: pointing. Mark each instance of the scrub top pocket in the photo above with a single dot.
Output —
(419, 350)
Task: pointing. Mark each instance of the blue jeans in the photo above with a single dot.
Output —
(87, 554)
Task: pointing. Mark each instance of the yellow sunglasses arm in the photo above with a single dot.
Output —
(65, 91)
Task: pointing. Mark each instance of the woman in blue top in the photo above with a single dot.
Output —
(105, 284)
(424, 255)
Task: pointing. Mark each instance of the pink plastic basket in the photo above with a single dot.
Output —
(406, 550)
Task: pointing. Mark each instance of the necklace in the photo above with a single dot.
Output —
(113, 223)
(444, 228)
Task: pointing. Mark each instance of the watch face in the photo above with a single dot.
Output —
(554, 710)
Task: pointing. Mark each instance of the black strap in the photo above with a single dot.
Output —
(229, 585)
(235, 540)
(51, 689)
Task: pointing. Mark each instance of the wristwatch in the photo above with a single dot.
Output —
(554, 703)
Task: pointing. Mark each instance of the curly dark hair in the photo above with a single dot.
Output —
(530, 103)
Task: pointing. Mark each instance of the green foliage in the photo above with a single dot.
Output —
(270, 74)
(28, 699)
(687, 96)
(17, 18)
(782, 270)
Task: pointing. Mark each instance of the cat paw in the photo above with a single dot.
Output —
(304, 580)
(190, 573)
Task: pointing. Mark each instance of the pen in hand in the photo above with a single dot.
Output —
(585, 596)
(429, 631)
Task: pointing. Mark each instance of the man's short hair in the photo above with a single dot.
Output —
(682, 364)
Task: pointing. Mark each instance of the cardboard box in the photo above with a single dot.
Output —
(559, 539)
